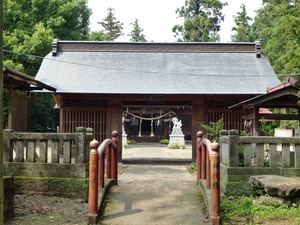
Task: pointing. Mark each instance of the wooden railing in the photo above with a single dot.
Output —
(208, 168)
(105, 154)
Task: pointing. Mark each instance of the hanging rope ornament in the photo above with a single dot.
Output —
(146, 118)
(140, 130)
(152, 134)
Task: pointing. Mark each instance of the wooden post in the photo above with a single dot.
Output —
(93, 183)
(203, 153)
(198, 154)
(108, 161)
(215, 183)
(114, 157)
(101, 169)
(208, 169)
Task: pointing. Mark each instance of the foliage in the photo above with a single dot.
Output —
(112, 27)
(98, 36)
(213, 129)
(276, 26)
(46, 118)
(164, 141)
(241, 210)
(136, 33)
(176, 146)
(242, 27)
(202, 20)
(29, 29)
(266, 128)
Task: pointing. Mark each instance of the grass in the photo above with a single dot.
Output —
(241, 210)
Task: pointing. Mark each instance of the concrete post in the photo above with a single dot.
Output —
(230, 148)
(7, 148)
(80, 144)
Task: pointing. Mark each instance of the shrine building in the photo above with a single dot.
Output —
(142, 86)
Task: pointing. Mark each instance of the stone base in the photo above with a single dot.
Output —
(124, 140)
(176, 141)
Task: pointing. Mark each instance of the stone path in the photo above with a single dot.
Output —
(159, 193)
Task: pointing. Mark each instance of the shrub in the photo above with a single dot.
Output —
(164, 141)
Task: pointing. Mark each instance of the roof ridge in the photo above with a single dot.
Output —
(172, 47)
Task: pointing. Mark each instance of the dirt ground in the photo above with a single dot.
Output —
(42, 210)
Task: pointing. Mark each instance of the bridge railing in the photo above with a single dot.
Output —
(103, 161)
(208, 169)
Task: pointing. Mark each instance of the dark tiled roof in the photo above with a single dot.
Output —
(157, 68)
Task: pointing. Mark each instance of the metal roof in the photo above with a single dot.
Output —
(157, 68)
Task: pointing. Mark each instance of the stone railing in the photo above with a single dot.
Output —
(246, 156)
(48, 163)
(47, 147)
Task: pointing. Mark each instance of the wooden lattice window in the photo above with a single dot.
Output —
(93, 118)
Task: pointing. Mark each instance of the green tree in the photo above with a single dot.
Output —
(31, 25)
(98, 36)
(112, 26)
(242, 28)
(29, 29)
(277, 27)
(202, 20)
(136, 33)
(213, 129)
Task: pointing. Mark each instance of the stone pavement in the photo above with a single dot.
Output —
(155, 187)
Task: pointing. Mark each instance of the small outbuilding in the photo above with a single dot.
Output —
(283, 96)
(20, 86)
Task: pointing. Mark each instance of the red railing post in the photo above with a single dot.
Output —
(207, 166)
(215, 183)
(198, 154)
(114, 157)
(101, 169)
(93, 183)
(108, 161)
(203, 161)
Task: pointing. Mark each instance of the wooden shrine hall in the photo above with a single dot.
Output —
(141, 86)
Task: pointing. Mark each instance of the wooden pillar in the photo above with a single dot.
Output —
(198, 118)
(114, 122)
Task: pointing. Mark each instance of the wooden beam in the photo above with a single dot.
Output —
(280, 116)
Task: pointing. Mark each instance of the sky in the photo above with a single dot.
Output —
(157, 17)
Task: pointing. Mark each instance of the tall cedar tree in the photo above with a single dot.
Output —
(242, 27)
(113, 27)
(202, 20)
(277, 25)
(29, 29)
(136, 33)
